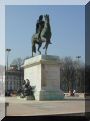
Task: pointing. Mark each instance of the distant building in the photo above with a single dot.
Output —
(13, 79)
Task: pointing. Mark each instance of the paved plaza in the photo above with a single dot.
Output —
(21, 107)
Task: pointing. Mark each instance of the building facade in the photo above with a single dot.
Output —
(13, 79)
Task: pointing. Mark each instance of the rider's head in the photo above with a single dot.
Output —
(40, 17)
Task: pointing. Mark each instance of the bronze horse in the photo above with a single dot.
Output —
(45, 37)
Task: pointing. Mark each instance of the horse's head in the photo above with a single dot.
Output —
(46, 18)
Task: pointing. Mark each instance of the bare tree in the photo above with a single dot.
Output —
(72, 75)
(68, 72)
(80, 76)
(18, 62)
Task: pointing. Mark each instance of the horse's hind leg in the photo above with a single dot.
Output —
(39, 45)
(33, 48)
(46, 46)
(32, 53)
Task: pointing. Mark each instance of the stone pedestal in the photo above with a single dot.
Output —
(43, 71)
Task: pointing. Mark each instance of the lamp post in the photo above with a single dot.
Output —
(78, 57)
(78, 74)
(7, 50)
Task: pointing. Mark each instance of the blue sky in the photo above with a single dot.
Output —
(67, 26)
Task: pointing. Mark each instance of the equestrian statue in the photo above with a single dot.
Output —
(42, 35)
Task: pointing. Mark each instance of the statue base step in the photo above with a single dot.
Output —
(49, 95)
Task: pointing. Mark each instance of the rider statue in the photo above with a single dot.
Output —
(42, 35)
(39, 27)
